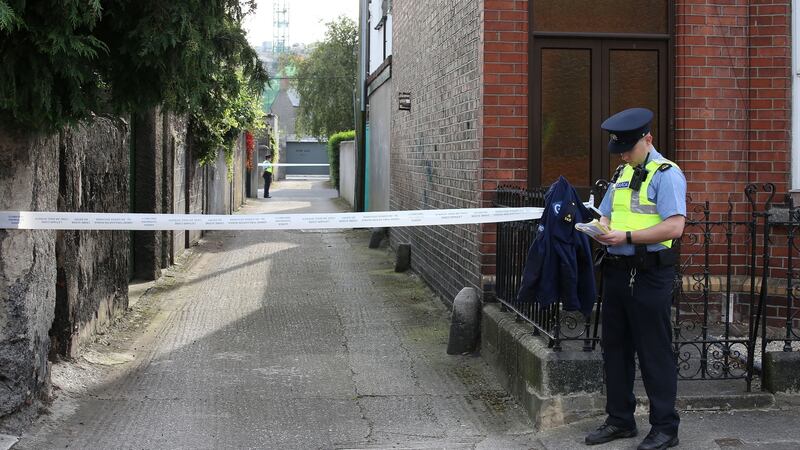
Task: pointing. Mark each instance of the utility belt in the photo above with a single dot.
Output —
(642, 259)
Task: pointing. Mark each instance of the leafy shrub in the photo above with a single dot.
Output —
(333, 152)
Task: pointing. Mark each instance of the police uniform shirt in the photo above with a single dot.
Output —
(667, 190)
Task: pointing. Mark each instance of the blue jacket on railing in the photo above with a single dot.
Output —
(559, 263)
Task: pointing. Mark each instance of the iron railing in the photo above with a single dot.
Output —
(736, 271)
(513, 240)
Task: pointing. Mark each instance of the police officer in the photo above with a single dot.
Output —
(645, 208)
(268, 168)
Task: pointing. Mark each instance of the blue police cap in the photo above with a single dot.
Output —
(625, 128)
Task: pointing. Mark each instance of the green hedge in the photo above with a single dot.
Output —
(333, 153)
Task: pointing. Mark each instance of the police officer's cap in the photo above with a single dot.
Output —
(625, 128)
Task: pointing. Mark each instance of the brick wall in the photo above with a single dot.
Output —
(436, 147)
(504, 159)
(731, 119)
(770, 92)
(732, 108)
(733, 88)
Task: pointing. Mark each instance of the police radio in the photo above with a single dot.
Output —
(639, 175)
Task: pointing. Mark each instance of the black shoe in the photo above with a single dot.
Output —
(267, 196)
(607, 433)
(657, 440)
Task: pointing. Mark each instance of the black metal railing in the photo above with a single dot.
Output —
(552, 322)
(737, 291)
(791, 332)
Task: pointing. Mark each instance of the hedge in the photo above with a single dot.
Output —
(333, 153)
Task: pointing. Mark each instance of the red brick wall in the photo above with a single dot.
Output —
(504, 158)
(770, 119)
(731, 118)
(732, 96)
(733, 110)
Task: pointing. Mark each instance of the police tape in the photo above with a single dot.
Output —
(32, 220)
(294, 165)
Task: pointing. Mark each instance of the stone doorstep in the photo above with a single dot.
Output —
(715, 402)
(554, 393)
(713, 395)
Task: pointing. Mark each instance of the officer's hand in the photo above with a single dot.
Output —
(615, 237)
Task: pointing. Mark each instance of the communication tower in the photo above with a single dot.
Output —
(280, 25)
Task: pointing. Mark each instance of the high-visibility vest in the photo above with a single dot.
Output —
(268, 168)
(632, 210)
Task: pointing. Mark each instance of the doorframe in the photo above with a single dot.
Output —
(600, 101)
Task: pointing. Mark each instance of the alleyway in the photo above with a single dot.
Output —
(281, 339)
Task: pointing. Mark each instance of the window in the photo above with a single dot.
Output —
(380, 34)
(606, 16)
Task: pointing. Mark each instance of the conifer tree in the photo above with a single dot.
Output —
(66, 59)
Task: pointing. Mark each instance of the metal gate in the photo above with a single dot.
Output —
(306, 152)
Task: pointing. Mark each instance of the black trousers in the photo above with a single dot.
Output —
(267, 182)
(638, 320)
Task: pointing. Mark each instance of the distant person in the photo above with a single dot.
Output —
(267, 175)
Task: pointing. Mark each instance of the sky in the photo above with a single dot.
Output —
(306, 19)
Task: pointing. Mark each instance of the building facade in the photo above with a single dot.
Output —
(513, 92)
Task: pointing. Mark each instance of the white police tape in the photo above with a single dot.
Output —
(30, 220)
(295, 165)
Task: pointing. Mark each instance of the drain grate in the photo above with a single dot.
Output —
(729, 442)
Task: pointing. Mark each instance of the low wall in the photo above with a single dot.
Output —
(178, 137)
(555, 388)
(196, 178)
(782, 372)
(239, 172)
(218, 187)
(347, 171)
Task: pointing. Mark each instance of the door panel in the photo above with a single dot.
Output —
(578, 83)
(565, 136)
(637, 77)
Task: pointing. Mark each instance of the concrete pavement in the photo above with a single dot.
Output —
(773, 429)
(308, 339)
(294, 339)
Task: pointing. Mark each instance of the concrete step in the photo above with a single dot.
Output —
(713, 395)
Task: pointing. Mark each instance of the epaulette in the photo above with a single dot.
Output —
(617, 173)
(664, 167)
